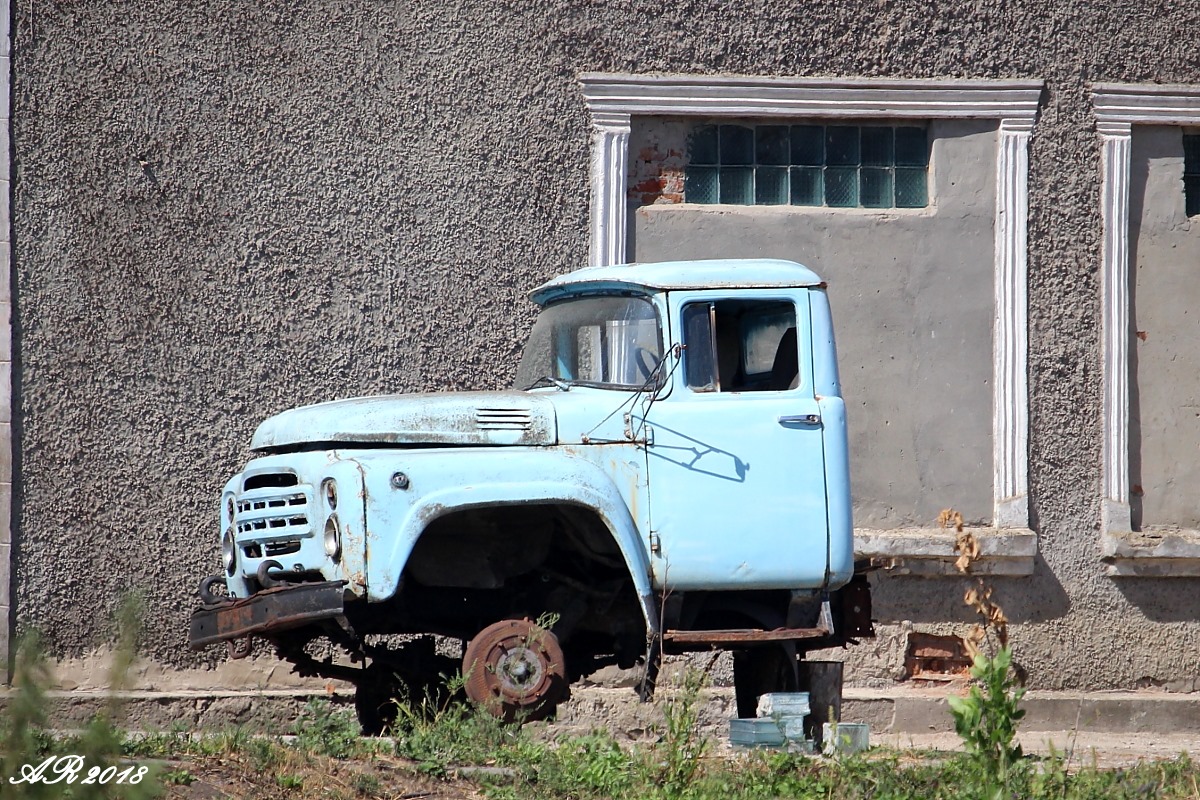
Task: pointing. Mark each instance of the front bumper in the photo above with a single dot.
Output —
(267, 612)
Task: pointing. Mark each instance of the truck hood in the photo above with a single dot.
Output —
(443, 418)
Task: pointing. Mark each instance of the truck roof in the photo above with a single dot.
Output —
(717, 273)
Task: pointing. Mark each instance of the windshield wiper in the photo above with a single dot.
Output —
(547, 380)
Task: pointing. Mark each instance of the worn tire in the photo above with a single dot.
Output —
(375, 701)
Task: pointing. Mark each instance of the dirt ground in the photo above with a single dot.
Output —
(397, 779)
(1104, 750)
(380, 776)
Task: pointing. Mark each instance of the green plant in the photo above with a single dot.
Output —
(26, 740)
(437, 735)
(222, 743)
(593, 765)
(986, 720)
(288, 780)
(326, 730)
(681, 747)
(86, 766)
(178, 777)
(265, 753)
(366, 784)
(161, 744)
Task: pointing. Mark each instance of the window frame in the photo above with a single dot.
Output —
(1118, 107)
(612, 99)
(782, 304)
(710, 160)
(1191, 172)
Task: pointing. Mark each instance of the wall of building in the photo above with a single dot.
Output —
(912, 297)
(220, 215)
(1164, 358)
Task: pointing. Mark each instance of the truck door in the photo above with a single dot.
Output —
(736, 460)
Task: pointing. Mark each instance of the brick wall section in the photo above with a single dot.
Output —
(657, 159)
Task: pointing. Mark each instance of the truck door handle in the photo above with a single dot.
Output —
(800, 419)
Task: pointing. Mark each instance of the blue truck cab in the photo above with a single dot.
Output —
(669, 474)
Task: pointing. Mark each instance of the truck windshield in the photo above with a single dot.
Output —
(612, 342)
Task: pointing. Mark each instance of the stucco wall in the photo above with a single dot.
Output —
(219, 212)
(1165, 314)
(911, 291)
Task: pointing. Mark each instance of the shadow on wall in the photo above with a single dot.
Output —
(1163, 599)
(1034, 598)
(1139, 175)
(1163, 388)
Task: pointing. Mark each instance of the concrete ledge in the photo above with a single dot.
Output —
(917, 711)
(273, 711)
(1151, 554)
(930, 551)
(899, 710)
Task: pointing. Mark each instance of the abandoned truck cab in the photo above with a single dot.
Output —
(670, 474)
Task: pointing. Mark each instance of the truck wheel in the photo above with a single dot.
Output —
(515, 670)
(759, 671)
(375, 701)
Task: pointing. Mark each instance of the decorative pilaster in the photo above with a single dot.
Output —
(610, 155)
(1114, 190)
(1010, 333)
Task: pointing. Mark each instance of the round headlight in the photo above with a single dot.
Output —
(229, 551)
(333, 538)
(329, 487)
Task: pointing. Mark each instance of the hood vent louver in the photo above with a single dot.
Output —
(438, 418)
(503, 419)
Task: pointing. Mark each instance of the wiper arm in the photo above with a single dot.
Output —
(547, 380)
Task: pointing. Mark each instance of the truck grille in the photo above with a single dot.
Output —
(503, 419)
(274, 513)
(284, 548)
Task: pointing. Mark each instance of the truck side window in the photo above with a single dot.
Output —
(699, 365)
(751, 344)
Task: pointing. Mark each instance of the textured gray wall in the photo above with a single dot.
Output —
(221, 210)
(1164, 442)
(912, 298)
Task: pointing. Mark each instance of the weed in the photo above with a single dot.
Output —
(87, 765)
(289, 780)
(328, 731)
(547, 620)
(681, 747)
(103, 742)
(178, 777)
(223, 743)
(986, 719)
(163, 744)
(366, 784)
(593, 765)
(437, 736)
(25, 738)
(265, 754)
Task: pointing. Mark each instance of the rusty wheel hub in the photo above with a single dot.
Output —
(514, 669)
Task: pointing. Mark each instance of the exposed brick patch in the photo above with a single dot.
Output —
(930, 656)
(656, 171)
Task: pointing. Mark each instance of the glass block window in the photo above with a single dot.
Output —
(842, 166)
(1191, 173)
